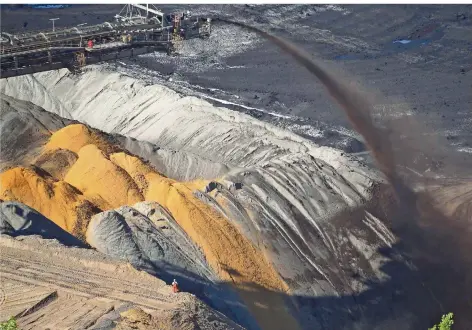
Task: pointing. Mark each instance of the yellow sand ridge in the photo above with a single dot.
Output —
(107, 178)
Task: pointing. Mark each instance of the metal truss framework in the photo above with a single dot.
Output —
(136, 29)
(141, 14)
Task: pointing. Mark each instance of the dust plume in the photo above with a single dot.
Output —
(355, 106)
(433, 225)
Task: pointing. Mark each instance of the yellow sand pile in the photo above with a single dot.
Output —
(101, 181)
(82, 180)
(228, 252)
(56, 200)
(104, 183)
(110, 179)
(76, 136)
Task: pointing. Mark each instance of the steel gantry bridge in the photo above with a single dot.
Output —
(137, 29)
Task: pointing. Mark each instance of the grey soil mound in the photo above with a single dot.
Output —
(56, 162)
(148, 237)
(127, 234)
(177, 165)
(24, 128)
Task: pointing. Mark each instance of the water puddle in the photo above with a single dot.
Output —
(420, 38)
(48, 6)
(403, 42)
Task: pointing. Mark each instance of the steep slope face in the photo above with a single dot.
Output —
(148, 237)
(178, 165)
(115, 179)
(281, 213)
(24, 128)
(57, 200)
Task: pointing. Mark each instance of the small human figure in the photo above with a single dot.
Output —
(90, 44)
(175, 286)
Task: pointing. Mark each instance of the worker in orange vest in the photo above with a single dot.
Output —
(175, 286)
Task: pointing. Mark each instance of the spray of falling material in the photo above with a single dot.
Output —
(436, 242)
(353, 103)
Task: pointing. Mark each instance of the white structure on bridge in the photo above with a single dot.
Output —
(141, 14)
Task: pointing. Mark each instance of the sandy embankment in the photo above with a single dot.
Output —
(57, 200)
(50, 286)
(289, 188)
(110, 179)
(286, 197)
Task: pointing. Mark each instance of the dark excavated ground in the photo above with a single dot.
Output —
(428, 78)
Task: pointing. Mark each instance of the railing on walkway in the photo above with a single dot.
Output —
(73, 48)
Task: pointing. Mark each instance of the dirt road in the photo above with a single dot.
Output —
(46, 285)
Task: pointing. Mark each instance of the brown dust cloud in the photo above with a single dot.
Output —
(434, 224)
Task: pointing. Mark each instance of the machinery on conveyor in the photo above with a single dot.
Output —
(137, 29)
